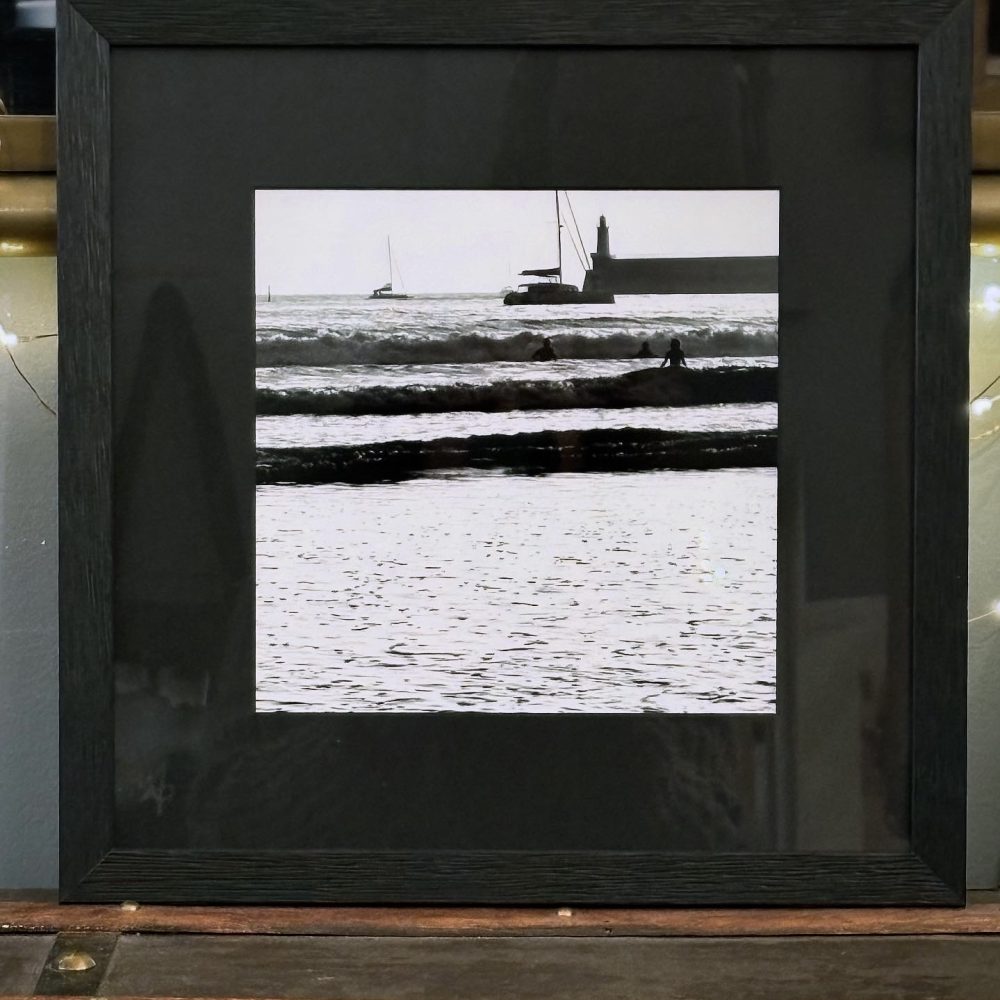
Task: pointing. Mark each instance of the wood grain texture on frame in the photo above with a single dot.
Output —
(516, 22)
(462, 878)
(941, 455)
(94, 868)
(85, 451)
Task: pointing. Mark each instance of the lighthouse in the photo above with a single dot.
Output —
(611, 276)
(603, 239)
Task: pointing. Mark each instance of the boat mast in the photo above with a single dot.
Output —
(388, 250)
(559, 235)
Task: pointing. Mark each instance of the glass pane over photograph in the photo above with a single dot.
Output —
(516, 451)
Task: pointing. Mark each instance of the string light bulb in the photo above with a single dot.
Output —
(991, 299)
(980, 406)
(994, 612)
(7, 341)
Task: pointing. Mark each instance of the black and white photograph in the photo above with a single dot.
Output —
(516, 451)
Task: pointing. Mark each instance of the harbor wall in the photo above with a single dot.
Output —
(673, 275)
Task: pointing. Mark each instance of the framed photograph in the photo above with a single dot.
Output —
(551, 421)
(514, 456)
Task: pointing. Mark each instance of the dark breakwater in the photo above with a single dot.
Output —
(648, 387)
(631, 450)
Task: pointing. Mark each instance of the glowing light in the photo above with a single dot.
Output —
(994, 612)
(991, 298)
(7, 339)
(980, 406)
(10, 246)
(989, 249)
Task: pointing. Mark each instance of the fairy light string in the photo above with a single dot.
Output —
(9, 340)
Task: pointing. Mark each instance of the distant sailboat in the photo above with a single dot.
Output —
(508, 287)
(386, 292)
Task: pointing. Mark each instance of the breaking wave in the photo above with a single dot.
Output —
(311, 347)
(646, 387)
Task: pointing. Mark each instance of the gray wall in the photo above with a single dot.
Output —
(28, 558)
(28, 640)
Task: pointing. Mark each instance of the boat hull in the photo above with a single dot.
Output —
(551, 294)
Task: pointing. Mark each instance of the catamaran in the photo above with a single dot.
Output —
(542, 293)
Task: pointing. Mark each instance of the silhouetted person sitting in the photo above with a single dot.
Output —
(545, 353)
(675, 356)
(645, 351)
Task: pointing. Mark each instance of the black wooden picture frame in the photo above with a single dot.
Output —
(107, 855)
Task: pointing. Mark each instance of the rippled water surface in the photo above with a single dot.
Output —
(474, 592)
(309, 431)
(441, 317)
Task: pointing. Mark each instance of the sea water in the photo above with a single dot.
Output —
(483, 591)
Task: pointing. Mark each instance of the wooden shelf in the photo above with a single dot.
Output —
(484, 954)
(981, 917)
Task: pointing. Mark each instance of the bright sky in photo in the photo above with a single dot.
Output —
(334, 242)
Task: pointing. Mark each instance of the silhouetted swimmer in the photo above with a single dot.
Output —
(675, 356)
(545, 353)
(645, 351)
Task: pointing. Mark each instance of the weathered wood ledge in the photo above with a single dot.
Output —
(42, 916)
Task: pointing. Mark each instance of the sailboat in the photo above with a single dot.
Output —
(386, 292)
(541, 293)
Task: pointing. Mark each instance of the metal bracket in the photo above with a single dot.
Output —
(27, 186)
